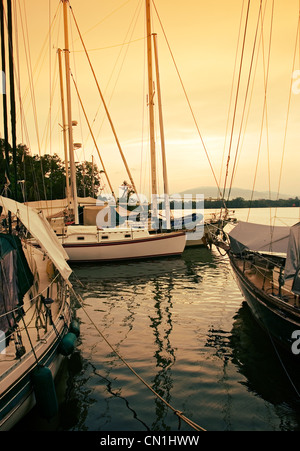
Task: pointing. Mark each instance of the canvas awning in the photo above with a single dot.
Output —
(58, 206)
(292, 265)
(259, 238)
(40, 229)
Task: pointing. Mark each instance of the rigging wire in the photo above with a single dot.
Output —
(265, 110)
(105, 107)
(237, 96)
(33, 75)
(132, 41)
(231, 92)
(250, 100)
(245, 101)
(85, 115)
(109, 15)
(131, 26)
(32, 90)
(190, 107)
(287, 118)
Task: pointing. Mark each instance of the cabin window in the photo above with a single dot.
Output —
(104, 237)
(127, 235)
(80, 238)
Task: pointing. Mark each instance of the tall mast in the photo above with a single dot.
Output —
(69, 108)
(151, 101)
(3, 91)
(162, 137)
(65, 128)
(12, 97)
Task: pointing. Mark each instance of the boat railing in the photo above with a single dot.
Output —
(267, 273)
(37, 308)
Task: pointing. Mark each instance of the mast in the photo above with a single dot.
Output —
(69, 108)
(3, 92)
(12, 97)
(151, 106)
(5, 115)
(162, 138)
(65, 128)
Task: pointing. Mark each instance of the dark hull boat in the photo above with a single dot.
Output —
(265, 261)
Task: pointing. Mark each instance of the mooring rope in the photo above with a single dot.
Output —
(177, 412)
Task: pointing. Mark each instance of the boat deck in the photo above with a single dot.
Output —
(45, 285)
(267, 280)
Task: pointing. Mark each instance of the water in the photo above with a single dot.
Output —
(182, 325)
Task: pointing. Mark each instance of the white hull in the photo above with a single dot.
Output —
(87, 244)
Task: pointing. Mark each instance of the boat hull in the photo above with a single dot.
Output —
(278, 322)
(17, 396)
(152, 246)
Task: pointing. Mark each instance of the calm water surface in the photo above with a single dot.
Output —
(182, 325)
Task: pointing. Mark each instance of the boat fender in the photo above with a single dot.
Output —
(74, 327)
(45, 394)
(67, 344)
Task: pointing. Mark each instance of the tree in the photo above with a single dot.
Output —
(43, 177)
(88, 179)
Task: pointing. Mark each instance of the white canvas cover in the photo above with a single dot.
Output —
(53, 207)
(38, 226)
(259, 238)
(292, 266)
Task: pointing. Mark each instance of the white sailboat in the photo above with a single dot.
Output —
(86, 243)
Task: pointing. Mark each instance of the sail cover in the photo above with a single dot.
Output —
(259, 238)
(292, 266)
(15, 280)
(40, 229)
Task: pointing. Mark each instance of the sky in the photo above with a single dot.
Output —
(218, 106)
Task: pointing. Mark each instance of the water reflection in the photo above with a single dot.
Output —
(182, 325)
(161, 325)
(268, 374)
(154, 282)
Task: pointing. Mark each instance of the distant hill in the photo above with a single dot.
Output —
(209, 191)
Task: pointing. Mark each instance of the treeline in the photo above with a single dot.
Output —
(240, 202)
(43, 177)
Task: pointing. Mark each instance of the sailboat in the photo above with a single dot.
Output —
(89, 243)
(35, 314)
(266, 263)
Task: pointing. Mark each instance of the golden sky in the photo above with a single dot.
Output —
(206, 38)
